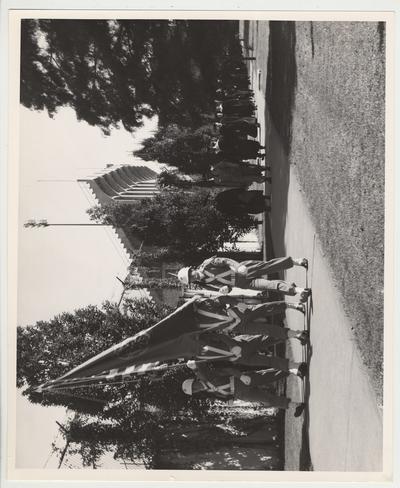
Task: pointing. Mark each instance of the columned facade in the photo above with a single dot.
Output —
(123, 183)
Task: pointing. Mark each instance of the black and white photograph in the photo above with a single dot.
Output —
(202, 258)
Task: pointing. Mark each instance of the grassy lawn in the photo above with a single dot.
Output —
(325, 92)
(338, 149)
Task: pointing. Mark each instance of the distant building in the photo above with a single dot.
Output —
(123, 183)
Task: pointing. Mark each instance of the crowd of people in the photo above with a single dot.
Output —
(234, 144)
(235, 328)
(231, 355)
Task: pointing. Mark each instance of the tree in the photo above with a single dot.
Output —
(49, 349)
(173, 179)
(172, 220)
(182, 147)
(87, 65)
(152, 257)
(146, 420)
(115, 72)
(154, 283)
(156, 437)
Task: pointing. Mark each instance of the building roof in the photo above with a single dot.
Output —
(123, 183)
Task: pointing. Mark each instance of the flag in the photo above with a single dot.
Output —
(172, 338)
(115, 375)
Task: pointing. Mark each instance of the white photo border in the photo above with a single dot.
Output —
(11, 14)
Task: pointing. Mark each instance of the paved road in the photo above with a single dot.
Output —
(344, 422)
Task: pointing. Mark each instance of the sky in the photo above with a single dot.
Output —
(63, 268)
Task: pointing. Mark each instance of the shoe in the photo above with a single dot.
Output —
(299, 409)
(305, 294)
(302, 371)
(301, 308)
(304, 263)
(304, 338)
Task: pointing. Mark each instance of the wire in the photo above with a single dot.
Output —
(110, 234)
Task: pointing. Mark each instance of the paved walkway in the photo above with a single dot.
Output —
(345, 425)
(343, 420)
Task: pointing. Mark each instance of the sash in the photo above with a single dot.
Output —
(227, 389)
(221, 353)
(220, 319)
(210, 277)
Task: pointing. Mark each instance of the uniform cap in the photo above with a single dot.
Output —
(187, 386)
(184, 275)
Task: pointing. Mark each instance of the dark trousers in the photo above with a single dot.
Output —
(263, 379)
(257, 395)
(259, 269)
(252, 346)
(254, 321)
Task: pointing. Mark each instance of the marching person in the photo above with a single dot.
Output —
(240, 128)
(238, 148)
(239, 174)
(238, 201)
(235, 83)
(240, 107)
(244, 350)
(215, 273)
(232, 94)
(231, 384)
(227, 120)
(229, 314)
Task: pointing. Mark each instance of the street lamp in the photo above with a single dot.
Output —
(44, 223)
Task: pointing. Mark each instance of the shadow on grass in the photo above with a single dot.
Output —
(280, 97)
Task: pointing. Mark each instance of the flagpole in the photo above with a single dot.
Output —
(138, 375)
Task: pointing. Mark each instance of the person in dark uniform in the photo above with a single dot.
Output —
(230, 315)
(238, 201)
(215, 273)
(238, 147)
(231, 384)
(238, 174)
(240, 127)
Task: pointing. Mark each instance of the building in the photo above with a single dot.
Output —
(123, 183)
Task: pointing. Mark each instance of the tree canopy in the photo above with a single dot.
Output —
(115, 72)
(187, 223)
(125, 415)
(49, 349)
(186, 148)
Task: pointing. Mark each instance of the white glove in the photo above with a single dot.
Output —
(245, 379)
(236, 350)
(191, 364)
(209, 260)
(242, 307)
(242, 270)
